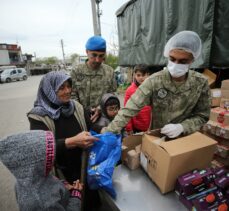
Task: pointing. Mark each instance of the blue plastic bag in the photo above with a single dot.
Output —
(103, 156)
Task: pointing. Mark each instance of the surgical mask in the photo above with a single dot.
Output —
(177, 70)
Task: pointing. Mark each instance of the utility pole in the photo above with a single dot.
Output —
(62, 46)
(96, 13)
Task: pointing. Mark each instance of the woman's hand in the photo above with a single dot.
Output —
(82, 140)
(76, 185)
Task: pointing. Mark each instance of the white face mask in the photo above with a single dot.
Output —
(177, 70)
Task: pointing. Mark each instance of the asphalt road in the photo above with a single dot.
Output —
(16, 99)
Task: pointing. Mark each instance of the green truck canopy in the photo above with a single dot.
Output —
(144, 27)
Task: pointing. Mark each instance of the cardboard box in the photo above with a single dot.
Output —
(167, 160)
(225, 93)
(211, 202)
(133, 159)
(194, 182)
(220, 115)
(210, 127)
(129, 143)
(224, 103)
(222, 131)
(222, 151)
(225, 84)
(217, 164)
(223, 161)
(216, 97)
(210, 76)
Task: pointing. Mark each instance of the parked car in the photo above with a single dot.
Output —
(14, 74)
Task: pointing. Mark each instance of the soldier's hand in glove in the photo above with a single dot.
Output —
(172, 130)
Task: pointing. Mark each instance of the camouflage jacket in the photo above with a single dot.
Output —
(89, 85)
(187, 104)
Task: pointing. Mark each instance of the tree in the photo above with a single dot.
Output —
(111, 60)
(47, 60)
(51, 60)
(74, 57)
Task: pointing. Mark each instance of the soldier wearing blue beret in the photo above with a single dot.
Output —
(93, 79)
(96, 43)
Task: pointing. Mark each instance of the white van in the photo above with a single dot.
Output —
(14, 74)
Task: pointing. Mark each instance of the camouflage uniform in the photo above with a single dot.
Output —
(187, 103)
(89, 85)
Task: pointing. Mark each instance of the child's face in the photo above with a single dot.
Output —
(140, 77)
(112, 110)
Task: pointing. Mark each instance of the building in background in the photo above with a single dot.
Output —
(10, 54)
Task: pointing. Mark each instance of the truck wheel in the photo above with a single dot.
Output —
(8, 80)
(24, 77)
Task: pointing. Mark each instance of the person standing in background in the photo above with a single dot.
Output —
(93, 79)
(141, 122)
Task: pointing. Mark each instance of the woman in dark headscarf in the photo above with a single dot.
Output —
(55, 111)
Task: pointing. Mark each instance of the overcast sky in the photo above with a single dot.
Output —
(38, 26)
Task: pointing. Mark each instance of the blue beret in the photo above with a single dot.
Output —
(96, 43)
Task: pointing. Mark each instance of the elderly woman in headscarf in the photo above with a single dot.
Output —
(55, 111)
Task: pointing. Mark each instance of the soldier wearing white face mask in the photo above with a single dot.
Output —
(180, 97)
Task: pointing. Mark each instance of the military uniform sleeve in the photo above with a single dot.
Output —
(75, 94)
(113, 85)
(137, 101)
(201, 112)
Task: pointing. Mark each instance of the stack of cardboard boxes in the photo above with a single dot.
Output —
(218, 125)
(163, 160)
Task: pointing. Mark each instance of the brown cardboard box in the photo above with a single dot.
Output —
(225, 93)
(138, 148)
(220, 115)
(210, 76)
(167, 160)
(225, 84)
(133, 159)
(216, 97)
(129, 143)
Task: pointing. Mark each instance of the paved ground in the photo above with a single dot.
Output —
(16, 99)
